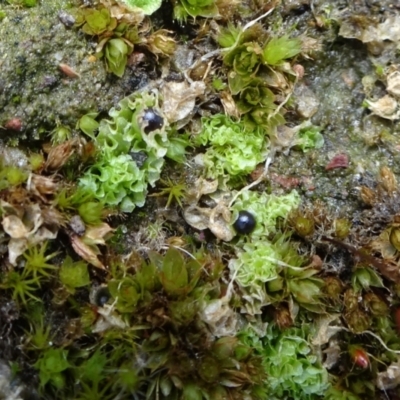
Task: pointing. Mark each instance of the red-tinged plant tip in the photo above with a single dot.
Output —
(338, 161)
(359, 356)
(14, 124)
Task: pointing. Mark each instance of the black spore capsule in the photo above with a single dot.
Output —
(154, 121)
(245, 222)
(102, 296)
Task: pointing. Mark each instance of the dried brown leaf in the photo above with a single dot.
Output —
(389, 268)
(229, 104)
(368, 196)
(96, 234)
(42, 186)
(387, 179)
(181, 97)
(85, 251)
(59, 155)
(14, 227)
(390, 378)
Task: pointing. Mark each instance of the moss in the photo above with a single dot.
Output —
(47, 97)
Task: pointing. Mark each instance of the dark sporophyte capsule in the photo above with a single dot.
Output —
(154, 121)
(245, 222)
(102, 296)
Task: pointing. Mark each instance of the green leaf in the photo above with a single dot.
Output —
(93, 369)
(234, 150)
(364, 278)
(228, 36)
(191, 392)
(305, 290)
(195, 8)
(174, 275)
(147, 277)
(117, 56)
(176, 149)
(88, 125)
(91, 212)
(126, 291)
(279, 49)
(147, 6)
(50, 366)
(97, 21)
(309, 137)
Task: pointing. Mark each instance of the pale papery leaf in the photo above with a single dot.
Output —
(390, 378)
(16, 247)
(85, 251)
(109, 319)
(96, 234)
(324, 331)
(14, 227)
(181, 98)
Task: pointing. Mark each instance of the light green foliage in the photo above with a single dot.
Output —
(279, 49)
(293, 371)
(93, 368)
(130, 158)
(116, 54)
(276, 271)
(91, 212)
(116, 181)
(74, 274)
(245, 59)
(36, 161)
(88, 124)
(233, 150)
(229, 35)
(116, 39)
(126, 291)
(98, 21)
(218, 84)
(60, 134)
(256, 72)
(51, 365)
(364, 278)
(23, 3)
(339, 394)
(255, 264)
(147, 6)
(22, 286)
(309, 137)
(195, 8)
(11, 175)
(267, 209)
(72, 198)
